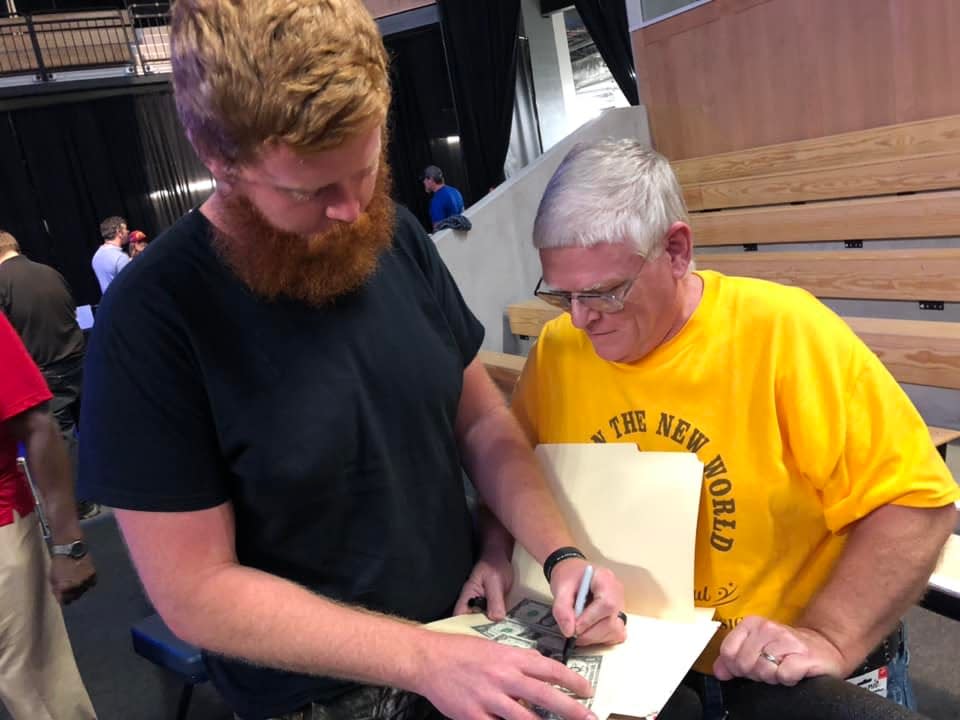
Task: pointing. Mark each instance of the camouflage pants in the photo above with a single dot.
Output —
(367, 703)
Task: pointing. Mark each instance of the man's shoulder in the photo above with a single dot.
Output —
(764, 296)
(764, 304)
(408, 233)
(106, 255)
(37, 271)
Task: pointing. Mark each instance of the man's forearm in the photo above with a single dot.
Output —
(50, 469)
(498, 459)
(251, 615)
(882, 571)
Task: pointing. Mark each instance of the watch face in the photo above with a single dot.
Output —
(78, 549)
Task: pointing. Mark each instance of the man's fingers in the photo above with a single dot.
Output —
(461, 607)
(731, 645)
(508, 708)
(563, 611)
(720, 670)
(609, 631)
(556, 673)
(749, 661)
(756, 649)
(493, 591)
(552, 699)
(472, 588)
(596, 616)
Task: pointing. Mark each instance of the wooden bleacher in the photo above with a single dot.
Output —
(895, 182)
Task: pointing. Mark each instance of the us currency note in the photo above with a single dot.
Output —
(530, 624)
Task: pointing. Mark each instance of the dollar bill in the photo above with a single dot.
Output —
(530, 624)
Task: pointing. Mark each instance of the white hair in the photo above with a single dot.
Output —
(610, 191)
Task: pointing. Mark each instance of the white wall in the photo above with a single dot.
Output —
(495, 263)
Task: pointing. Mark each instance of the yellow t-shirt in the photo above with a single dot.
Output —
(800, 427)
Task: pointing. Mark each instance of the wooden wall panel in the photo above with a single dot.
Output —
(932, 214)
(925, 274)
(380, 8)
(736, 74)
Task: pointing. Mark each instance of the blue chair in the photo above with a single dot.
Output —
(153, 640)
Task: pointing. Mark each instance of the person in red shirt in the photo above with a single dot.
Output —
(138, 242)
(38, 673)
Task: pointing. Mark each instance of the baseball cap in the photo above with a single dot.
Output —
(433, 172)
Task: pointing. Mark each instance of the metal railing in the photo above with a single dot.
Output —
(41, 46)
(151, 22)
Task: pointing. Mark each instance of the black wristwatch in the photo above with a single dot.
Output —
(76, 550)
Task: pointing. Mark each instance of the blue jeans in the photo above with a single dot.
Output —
(899, 688)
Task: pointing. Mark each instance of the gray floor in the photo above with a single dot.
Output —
(123, 685)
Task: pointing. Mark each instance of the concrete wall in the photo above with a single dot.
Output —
(495, 263)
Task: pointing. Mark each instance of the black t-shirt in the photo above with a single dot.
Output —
(37, 301)
(331, 430)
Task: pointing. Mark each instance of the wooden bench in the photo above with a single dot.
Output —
(943, 590)
(504, 369)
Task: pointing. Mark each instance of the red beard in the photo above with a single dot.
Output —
(315, 269)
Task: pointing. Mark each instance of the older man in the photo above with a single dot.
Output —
(302, 373)
(821, 519)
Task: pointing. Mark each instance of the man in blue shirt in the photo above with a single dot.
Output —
(110, 258)
(446, 200)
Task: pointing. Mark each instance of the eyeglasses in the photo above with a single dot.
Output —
(610, 301)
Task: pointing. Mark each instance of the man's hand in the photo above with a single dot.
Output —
(69, 578)
(599, 623)
(471, 678)
(492, 578)
(762, 650)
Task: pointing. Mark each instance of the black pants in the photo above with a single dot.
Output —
(65, 380)
(818, 698)
(368, 703)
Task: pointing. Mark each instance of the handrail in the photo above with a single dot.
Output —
(45, 44)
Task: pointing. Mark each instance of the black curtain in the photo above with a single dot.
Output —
(606, 21)
(68, 166)
(422, 119)
(177, 179)
(481, 43)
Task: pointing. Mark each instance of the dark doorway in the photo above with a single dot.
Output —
(423, 123)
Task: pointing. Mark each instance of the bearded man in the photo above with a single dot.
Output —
(302, 372)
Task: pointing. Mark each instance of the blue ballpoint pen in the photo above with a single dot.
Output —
(578, 610)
